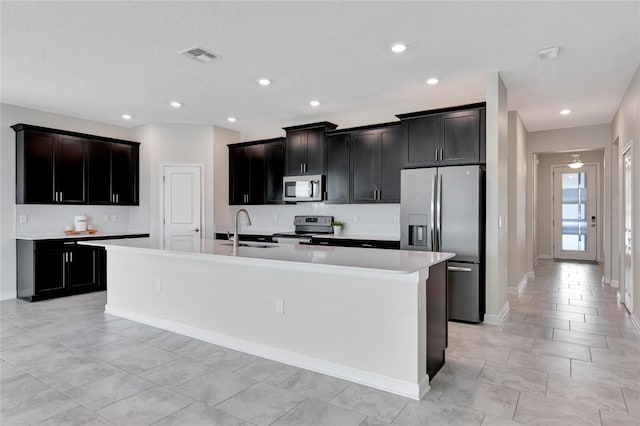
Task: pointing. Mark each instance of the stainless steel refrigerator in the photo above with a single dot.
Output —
(442, 209)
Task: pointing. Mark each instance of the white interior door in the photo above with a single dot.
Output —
(627, 202)
(575, 226)
(182, 207)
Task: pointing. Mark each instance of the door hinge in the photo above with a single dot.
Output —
(164, 221)
(164, 179)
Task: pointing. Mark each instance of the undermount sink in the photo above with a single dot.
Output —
(251, 245)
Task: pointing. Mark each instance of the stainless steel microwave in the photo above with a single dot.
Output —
(303, 188)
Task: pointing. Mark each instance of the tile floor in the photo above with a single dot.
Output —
(567, 354)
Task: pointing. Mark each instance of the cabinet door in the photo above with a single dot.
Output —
(256, 188)
(38, 160)
(82, 269)
(239, 175)
(461, 137)
(422, 141)
(274, 170)
(337, 185)
(70, 169)
(50, 271)
(295, 152)
(365, 167)
(314, 164)
(99, 172)
(123, 174)
(390, 165)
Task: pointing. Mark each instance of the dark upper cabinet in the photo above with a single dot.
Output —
(305, 150)
(274, 171)
(50, 168)
(375, 165)
(246, 174)
(337, 181)
(450, 136)
(57, 166)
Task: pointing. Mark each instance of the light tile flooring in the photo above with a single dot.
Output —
(568, 354)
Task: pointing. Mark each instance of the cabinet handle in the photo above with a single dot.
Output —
(117, 198)
(459, 269)
(305, 167)
(61, 196)
(367, 245)
(441, 154)
(301, 168)
(113, 198)
(70, 256)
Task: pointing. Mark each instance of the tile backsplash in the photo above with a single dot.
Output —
(51, 220)
(372, 219)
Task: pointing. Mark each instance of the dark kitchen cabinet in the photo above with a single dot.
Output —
(52, 268)
(246, 174)
(451, 136)
(50, 168)
(337, 181)
(375, 165)
(113, 173)
(274, 171)
(61, 167)
(305, 149)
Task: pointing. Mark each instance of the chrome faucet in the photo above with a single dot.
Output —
(236, 238)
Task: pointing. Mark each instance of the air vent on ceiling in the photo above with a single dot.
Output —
(198, 53)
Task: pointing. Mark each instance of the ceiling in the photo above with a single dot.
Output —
(98, 60)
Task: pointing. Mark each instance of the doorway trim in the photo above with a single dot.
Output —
(600, 221)
(161, 197)
(622, 276)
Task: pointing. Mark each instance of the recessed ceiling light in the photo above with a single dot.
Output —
(398, 48)
(314, 103)
(175, 104)
(565, 111)
(264, 82)
(432, 81)
(126, 117)
(232, 119)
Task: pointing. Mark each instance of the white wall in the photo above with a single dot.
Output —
(584, 138)
(626, 128)
(221, 138)
(519, 264)
(497, 199)
(544, 209)
(39, 216)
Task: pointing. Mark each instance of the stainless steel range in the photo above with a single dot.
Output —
(305, 228)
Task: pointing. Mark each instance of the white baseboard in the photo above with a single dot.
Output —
(635, 321)
(494, 319)
(605, 280)
(614, 284)
(620, 297)
(6, 295)
(544, 256)
(389, 384)
(521, 285)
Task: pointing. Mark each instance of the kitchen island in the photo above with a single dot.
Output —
(370, 316)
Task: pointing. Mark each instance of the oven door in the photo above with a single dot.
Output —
(302, 188)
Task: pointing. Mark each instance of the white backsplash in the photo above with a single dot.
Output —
(51, 220)
(370, 219)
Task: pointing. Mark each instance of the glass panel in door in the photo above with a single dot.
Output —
(574, 211)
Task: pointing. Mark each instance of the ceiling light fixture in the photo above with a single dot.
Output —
(314, 103)
(576, 163)
(398, 48)
(126, 116)
(565, 111)
(548, 52)
(175, 104)
(432, 81)
(264, 81)
(232, 119)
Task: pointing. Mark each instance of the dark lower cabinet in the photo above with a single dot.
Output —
(51, 268)
(437, 325)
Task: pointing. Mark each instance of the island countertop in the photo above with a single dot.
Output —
(287, 255)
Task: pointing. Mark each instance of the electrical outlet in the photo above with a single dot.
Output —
(158, 285)
(255, 217)
(280, 306)
(105, 218)
(275, 217)
(355, 218)
(114, 218)
(23, 218)
(396, 219)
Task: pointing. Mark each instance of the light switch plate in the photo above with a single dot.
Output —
(23, 218)
(114, 218)
(355, 218)
(105, 218)
(280, 306)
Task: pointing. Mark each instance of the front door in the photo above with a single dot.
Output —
(575, 203)
(627, 203)
(182, 207)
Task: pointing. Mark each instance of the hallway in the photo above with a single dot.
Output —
(567, 354)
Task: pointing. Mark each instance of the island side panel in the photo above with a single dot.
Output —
(437, 318)
(370, 325)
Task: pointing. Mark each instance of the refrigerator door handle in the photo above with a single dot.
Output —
(458, 269)
(433, 212)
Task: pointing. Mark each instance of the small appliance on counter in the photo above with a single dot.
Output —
(305, 228)
(80, 226)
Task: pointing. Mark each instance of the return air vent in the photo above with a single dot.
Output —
(198, 53)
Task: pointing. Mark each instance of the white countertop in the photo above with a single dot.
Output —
(325, 257)
(62, 236)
